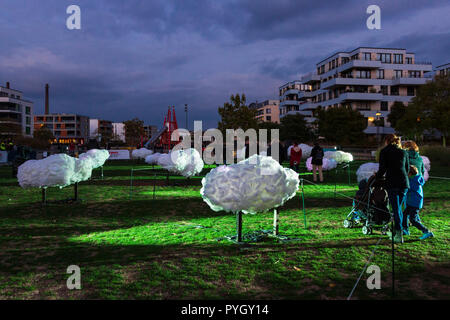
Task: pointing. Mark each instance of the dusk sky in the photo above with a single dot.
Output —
(134, 58)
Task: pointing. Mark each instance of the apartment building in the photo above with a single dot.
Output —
(366, 79)
(67, 128)
(443, 70)
(267, 111)
(99, 127)
(16, 114)
(150, 131)
(119, 131)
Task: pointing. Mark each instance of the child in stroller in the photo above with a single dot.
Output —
(370, 207)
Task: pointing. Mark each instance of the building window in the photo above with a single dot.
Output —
(27, 110)
(355, 56)
(384, 106)
(367, 56)
(27, 130)
(28, 120)
(398, 73)
(363, 74)
(398, 58)
(410, 91)
(409, 60)
(394, 91)
(268, 110)
(414, 74)
(268, 118)
(384, 57)
(363, 105)
(380, 73)
(384, 90)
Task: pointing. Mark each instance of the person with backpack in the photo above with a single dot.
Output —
(317, 161)
(295, 157)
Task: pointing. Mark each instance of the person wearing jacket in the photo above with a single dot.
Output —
(414, 202)
(317, 155)
(414, 157)
(394, 163)
(295, 157)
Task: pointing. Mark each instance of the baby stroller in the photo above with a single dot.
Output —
(370, 208)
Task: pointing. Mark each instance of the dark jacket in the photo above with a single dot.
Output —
(415, 192)
(317, 155)
(416, 160)
(394, 162)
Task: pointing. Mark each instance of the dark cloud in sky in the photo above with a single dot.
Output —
(134, 58)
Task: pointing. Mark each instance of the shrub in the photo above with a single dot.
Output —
(436, 154)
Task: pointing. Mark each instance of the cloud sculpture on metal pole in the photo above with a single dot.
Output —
(327, 164)
(339, 156)
(58, 170)
(366, 170)
(254, 185)
(141, 153)
(98, 157)
(185, 162)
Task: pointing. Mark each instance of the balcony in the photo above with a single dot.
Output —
(306, 94)
(379, 130)
(409, 81)
(289, 103)
(367, 64)
(310, 77)
(360, 96)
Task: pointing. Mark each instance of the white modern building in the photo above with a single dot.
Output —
(119, 131)
(16, 114)
(366, 79)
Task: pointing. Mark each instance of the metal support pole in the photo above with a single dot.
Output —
(102, 172)
(131, 183)
(75, 189)
(44, 195)
(154, 185)
(275, 222)
(303, 203)
(348, 172)
(393, 259)
(239, 226)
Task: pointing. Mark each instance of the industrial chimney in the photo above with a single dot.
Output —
(7, 85)
(46, 99)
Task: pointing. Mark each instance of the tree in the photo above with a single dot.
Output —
(433, 101)
(236, 114)
(398, 110)
(294, 127)
(43, 138)
(413, 123)
(341, 124)
(134, 130)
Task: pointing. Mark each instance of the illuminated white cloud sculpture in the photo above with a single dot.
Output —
(339, 156)
(185, 162)
(98, 157)
(153, 158)
(256, 184)
(426, 163)
(306, 150)
(327, 164)
(59, 170)
(366, 170)
(141, 153)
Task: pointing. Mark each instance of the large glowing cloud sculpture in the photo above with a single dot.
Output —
(306, 150)
(59, 170)
(185, 162)
(98, 157)
(366, 170)
(141, 153)
(256, 184)
(327, 164)
(153, 158)
(426, 163)
(339, 156)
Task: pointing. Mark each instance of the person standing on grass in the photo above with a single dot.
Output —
(414, 202)
(414, 157)
(296, 157)
(317, 161)
(394, 163)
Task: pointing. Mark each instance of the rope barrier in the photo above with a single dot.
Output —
(442, 178)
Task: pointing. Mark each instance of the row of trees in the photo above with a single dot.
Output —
(429, 110)
(342, 125)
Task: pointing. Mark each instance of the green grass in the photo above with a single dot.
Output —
(131, 246)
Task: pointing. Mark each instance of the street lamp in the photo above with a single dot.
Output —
(186, 111)
(378, 114)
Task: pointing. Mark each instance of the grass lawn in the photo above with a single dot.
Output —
(131, 246)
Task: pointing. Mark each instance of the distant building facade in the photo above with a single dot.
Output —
(67, 128)
(267, 111)
(98, 127)
(16, 114)
(366, 79)
(118, 131)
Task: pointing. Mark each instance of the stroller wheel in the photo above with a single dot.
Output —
(367, 230)
(348, 223)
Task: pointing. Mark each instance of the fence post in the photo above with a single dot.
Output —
(303, 203)
(275, 222)
(239, 226)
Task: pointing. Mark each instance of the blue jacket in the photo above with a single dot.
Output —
(415, 192)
